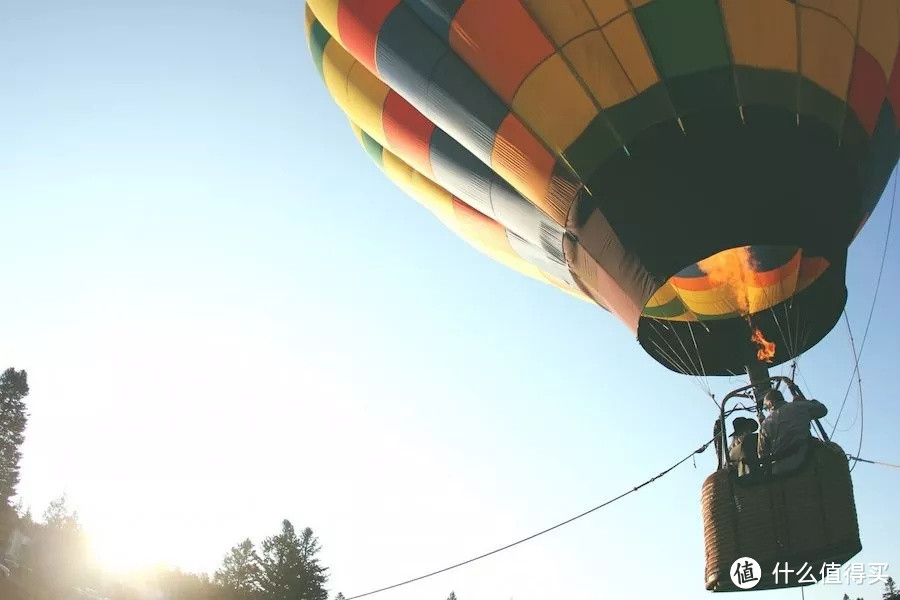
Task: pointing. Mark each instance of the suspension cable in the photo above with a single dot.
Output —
(700, 450)
(862, 345)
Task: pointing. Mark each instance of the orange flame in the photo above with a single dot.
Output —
(766, 350)
(732, 269)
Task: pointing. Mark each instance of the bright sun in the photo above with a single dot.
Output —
(126, 545)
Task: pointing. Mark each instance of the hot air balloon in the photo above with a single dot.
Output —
(698, 168)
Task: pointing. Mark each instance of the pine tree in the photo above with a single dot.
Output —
(60, 548)
(13, 418)
(452, 596)
(289, 569)
(240, 571)
(890, 590)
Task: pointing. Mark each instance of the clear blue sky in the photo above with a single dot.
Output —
(229, 317)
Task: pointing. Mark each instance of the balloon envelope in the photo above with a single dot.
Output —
(698, 168)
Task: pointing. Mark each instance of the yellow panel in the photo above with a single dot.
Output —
(366, 95)
(845, 11)
(766, 297)
(440, 202)
(595, 63)
(606, 10)
(763, 33)
(355, 89)
(427, 193)
(554, 104)
(878, 32)
(357, 131)
(561, 19)
(720, 300)
(562, 285)
(336, 64)
(625, 40)
(309, 18)
(826, 54)
(663, 295)
(506, 257)
(709, 302)
(326, 12)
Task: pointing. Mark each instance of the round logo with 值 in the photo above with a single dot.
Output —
(745, 573)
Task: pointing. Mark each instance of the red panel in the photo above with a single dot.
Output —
(779, 274)
(359, 22)
(500, 41)
(408, 132)
(810, 269)
(694, 284)
(893, 91)
(481, 227)
(867, 89)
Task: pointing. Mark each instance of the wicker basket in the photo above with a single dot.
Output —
(803, 517)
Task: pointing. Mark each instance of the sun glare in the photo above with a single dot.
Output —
(125, 547)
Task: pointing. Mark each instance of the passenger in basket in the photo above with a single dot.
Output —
(742, 452)
(785, 432)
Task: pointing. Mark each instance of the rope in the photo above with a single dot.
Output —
(539, 533)
(873, 462)
(862, 345)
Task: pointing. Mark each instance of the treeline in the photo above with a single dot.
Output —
(50, 559)
(890, 591)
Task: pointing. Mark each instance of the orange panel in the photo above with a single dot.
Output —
(561, 19)
(408, 132)
(763, 33)
(606, 10)
(599, 69)
(522, 160)
(827, 50)
(359, 22)
(500, 41)
(625, 40)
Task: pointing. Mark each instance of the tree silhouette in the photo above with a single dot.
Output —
(890, 590)
(13, 418)
(289, 569)
(452, 596)
(240, 571)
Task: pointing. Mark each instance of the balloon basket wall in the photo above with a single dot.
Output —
(807, 516)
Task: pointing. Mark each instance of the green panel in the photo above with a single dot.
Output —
(672, 308)
(685, 36)
(771, 88)
(595, 144)
(731, 315)
(637, 114)
(373, 148)
(816, 101)
(318, 38)
(700, 92)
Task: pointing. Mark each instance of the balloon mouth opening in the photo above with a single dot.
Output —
(786, 300)
(735, 283)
